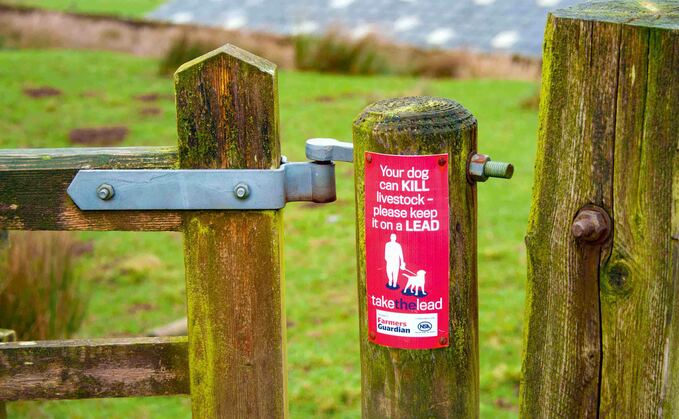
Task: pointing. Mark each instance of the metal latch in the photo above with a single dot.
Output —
(120, 190)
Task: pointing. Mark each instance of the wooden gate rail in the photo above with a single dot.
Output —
(233, 362)
(33, 185)
(93, 368)
(5, 336)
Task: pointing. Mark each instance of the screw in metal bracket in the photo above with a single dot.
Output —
(241, 190)
(105, 192)
(481, 168)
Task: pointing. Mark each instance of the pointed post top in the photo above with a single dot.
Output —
(227, 111)
(231, 51)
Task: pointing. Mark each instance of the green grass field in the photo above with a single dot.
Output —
(126, 8)
(136, 279)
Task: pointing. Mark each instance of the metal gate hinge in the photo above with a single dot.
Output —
(249, 189)
(329, 149)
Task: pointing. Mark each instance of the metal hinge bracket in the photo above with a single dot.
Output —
(121, 190)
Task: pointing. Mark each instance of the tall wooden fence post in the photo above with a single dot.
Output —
(410, 383)
(602, 311)
(227, 118)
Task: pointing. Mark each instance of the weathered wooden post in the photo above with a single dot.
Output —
(227, 118)
(602, 311)
(437, 375)
(6, 335)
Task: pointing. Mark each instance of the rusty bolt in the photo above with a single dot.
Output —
(443, 340)
(371, 335)
(591, 225)
(369, 158)
(480, 168)
(442, 161)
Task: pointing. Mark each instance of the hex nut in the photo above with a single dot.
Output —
(105, 192)
(475, 169)
(241, 191)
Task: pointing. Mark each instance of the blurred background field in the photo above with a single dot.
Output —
(132, 282)
(127, 8)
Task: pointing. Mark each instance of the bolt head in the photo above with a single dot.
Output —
(105, 192)
(241, 191)
(591, 226)
(477, 163)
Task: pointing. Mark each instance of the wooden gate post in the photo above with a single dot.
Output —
(602, 316)
(400, 383)
(227, 118)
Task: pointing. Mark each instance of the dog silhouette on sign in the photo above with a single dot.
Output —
(415, 285)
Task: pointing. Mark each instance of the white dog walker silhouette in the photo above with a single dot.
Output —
(393, 256)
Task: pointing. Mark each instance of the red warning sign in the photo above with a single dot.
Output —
(407, 250)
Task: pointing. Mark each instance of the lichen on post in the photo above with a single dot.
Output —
(601, 337)
(227, 117)
(406, 383)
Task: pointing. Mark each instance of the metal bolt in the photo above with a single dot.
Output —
(369, 158)
(592, 225)
(499, 169)
(443, 340)
(371, 335)
(442, 161)
(105, 192)
(481, 168)
(241, 191)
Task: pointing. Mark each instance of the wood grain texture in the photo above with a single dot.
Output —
(601, 335)
(33, 185)
(227, 117)
(6, 335)
(640, 281)
(399, 383)
(562, 352)
(79, 369)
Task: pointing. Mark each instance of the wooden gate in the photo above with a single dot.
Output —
(227, 117)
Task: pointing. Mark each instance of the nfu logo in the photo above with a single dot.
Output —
(424, 326)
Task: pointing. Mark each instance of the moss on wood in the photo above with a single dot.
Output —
(600, 336)
(423, 383)
(227, 117)
(93, 368)
(33, 185)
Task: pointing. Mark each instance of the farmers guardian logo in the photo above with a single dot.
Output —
(392, 326)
